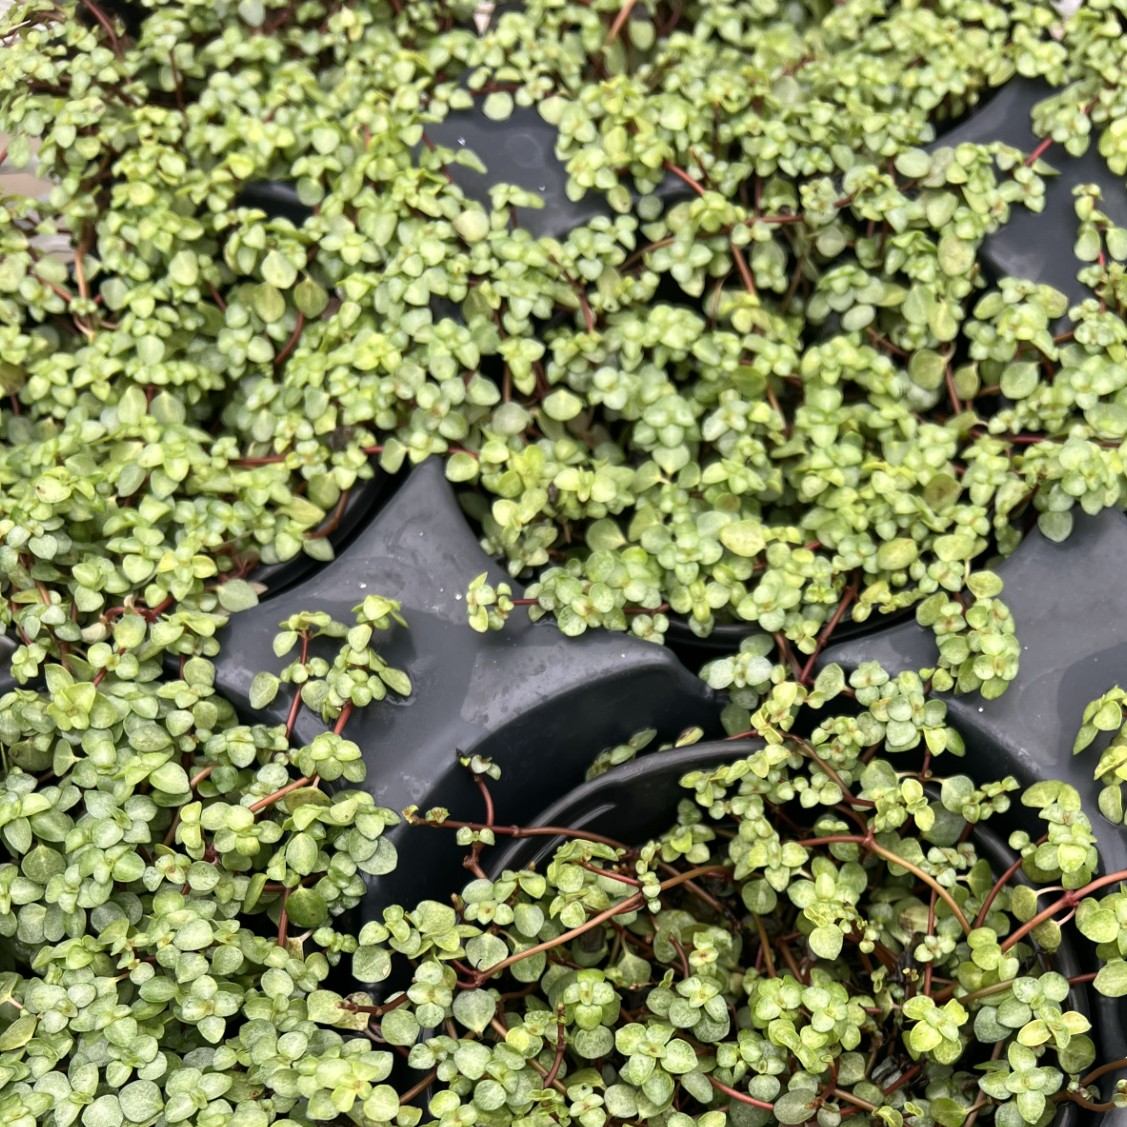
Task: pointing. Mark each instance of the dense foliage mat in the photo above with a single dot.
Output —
(762, 375)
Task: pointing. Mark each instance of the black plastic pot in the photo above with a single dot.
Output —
(540, 704)
(638, 800)
(726, 637)
(7, 647)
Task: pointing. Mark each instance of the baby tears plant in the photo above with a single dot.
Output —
(171, 877)
(767, 382)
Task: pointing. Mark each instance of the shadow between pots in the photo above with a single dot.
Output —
(725, 639)
(7, 648)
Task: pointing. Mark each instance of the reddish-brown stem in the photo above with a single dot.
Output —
(80, 271)
(283, 919)
(621, 877)
(827, 631)
(295, 704)
(330, 526)
(619, 22)
(278, 795)
(742, 1097)
(849, 1098)
(765, 946)
(343, 718)
(472, 860)
(377, 1011)
(561, 1046)
(1086, 1103)
(261, 460)
(999, 884)
(486, 797)
(291, 344)
(787, 653)
(884, 342)
(1039, 152)
(902, 1079)
(646, 250)
(419, 1088)
(585, 306)
(1103, 1070)
(681, 174)
(199, 776)
(627, 905)
(930, 929)
(808, 750)
(103, 19)
(58, 291)
(952, 391)
(1068, 900)
(153, 613)
(742, 266)
(792, 965)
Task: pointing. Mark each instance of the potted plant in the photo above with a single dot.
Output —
(789, 929)
(762, 364)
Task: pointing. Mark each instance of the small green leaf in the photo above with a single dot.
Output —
(498, 106)
(236, 595)
(1111, 979)
(183, 268)
(306, 908)
(278, 270)
(562, 405)
(263, 690)
(141, 1101)
(19, 1032)
(170, 778)
(474, 1009)
(743, 538)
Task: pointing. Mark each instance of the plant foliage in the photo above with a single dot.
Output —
(771, 383)
(767, 382)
